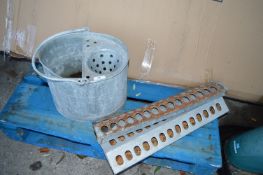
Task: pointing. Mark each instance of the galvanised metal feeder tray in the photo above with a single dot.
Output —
(133, 136)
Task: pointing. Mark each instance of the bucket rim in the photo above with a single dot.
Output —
(81, 80)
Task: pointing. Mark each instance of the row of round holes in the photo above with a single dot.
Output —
(154, 110)
(103, 62)
(162, 137)
(185, 124)
(131, 134)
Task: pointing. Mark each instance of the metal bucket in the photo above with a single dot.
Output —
(86, 73)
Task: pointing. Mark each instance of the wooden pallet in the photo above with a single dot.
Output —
(31, 117)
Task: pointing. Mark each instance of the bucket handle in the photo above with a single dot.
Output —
(79, 81)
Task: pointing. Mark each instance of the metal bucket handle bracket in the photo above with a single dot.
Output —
(79, 81)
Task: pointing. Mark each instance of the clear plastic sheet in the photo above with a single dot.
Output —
(148, 58)
(7, 42)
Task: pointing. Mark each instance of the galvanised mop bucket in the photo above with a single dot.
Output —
(86, 73)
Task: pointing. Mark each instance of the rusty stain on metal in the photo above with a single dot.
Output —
(161, 108)
(129, 146)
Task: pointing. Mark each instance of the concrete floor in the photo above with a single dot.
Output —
(18, 158)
